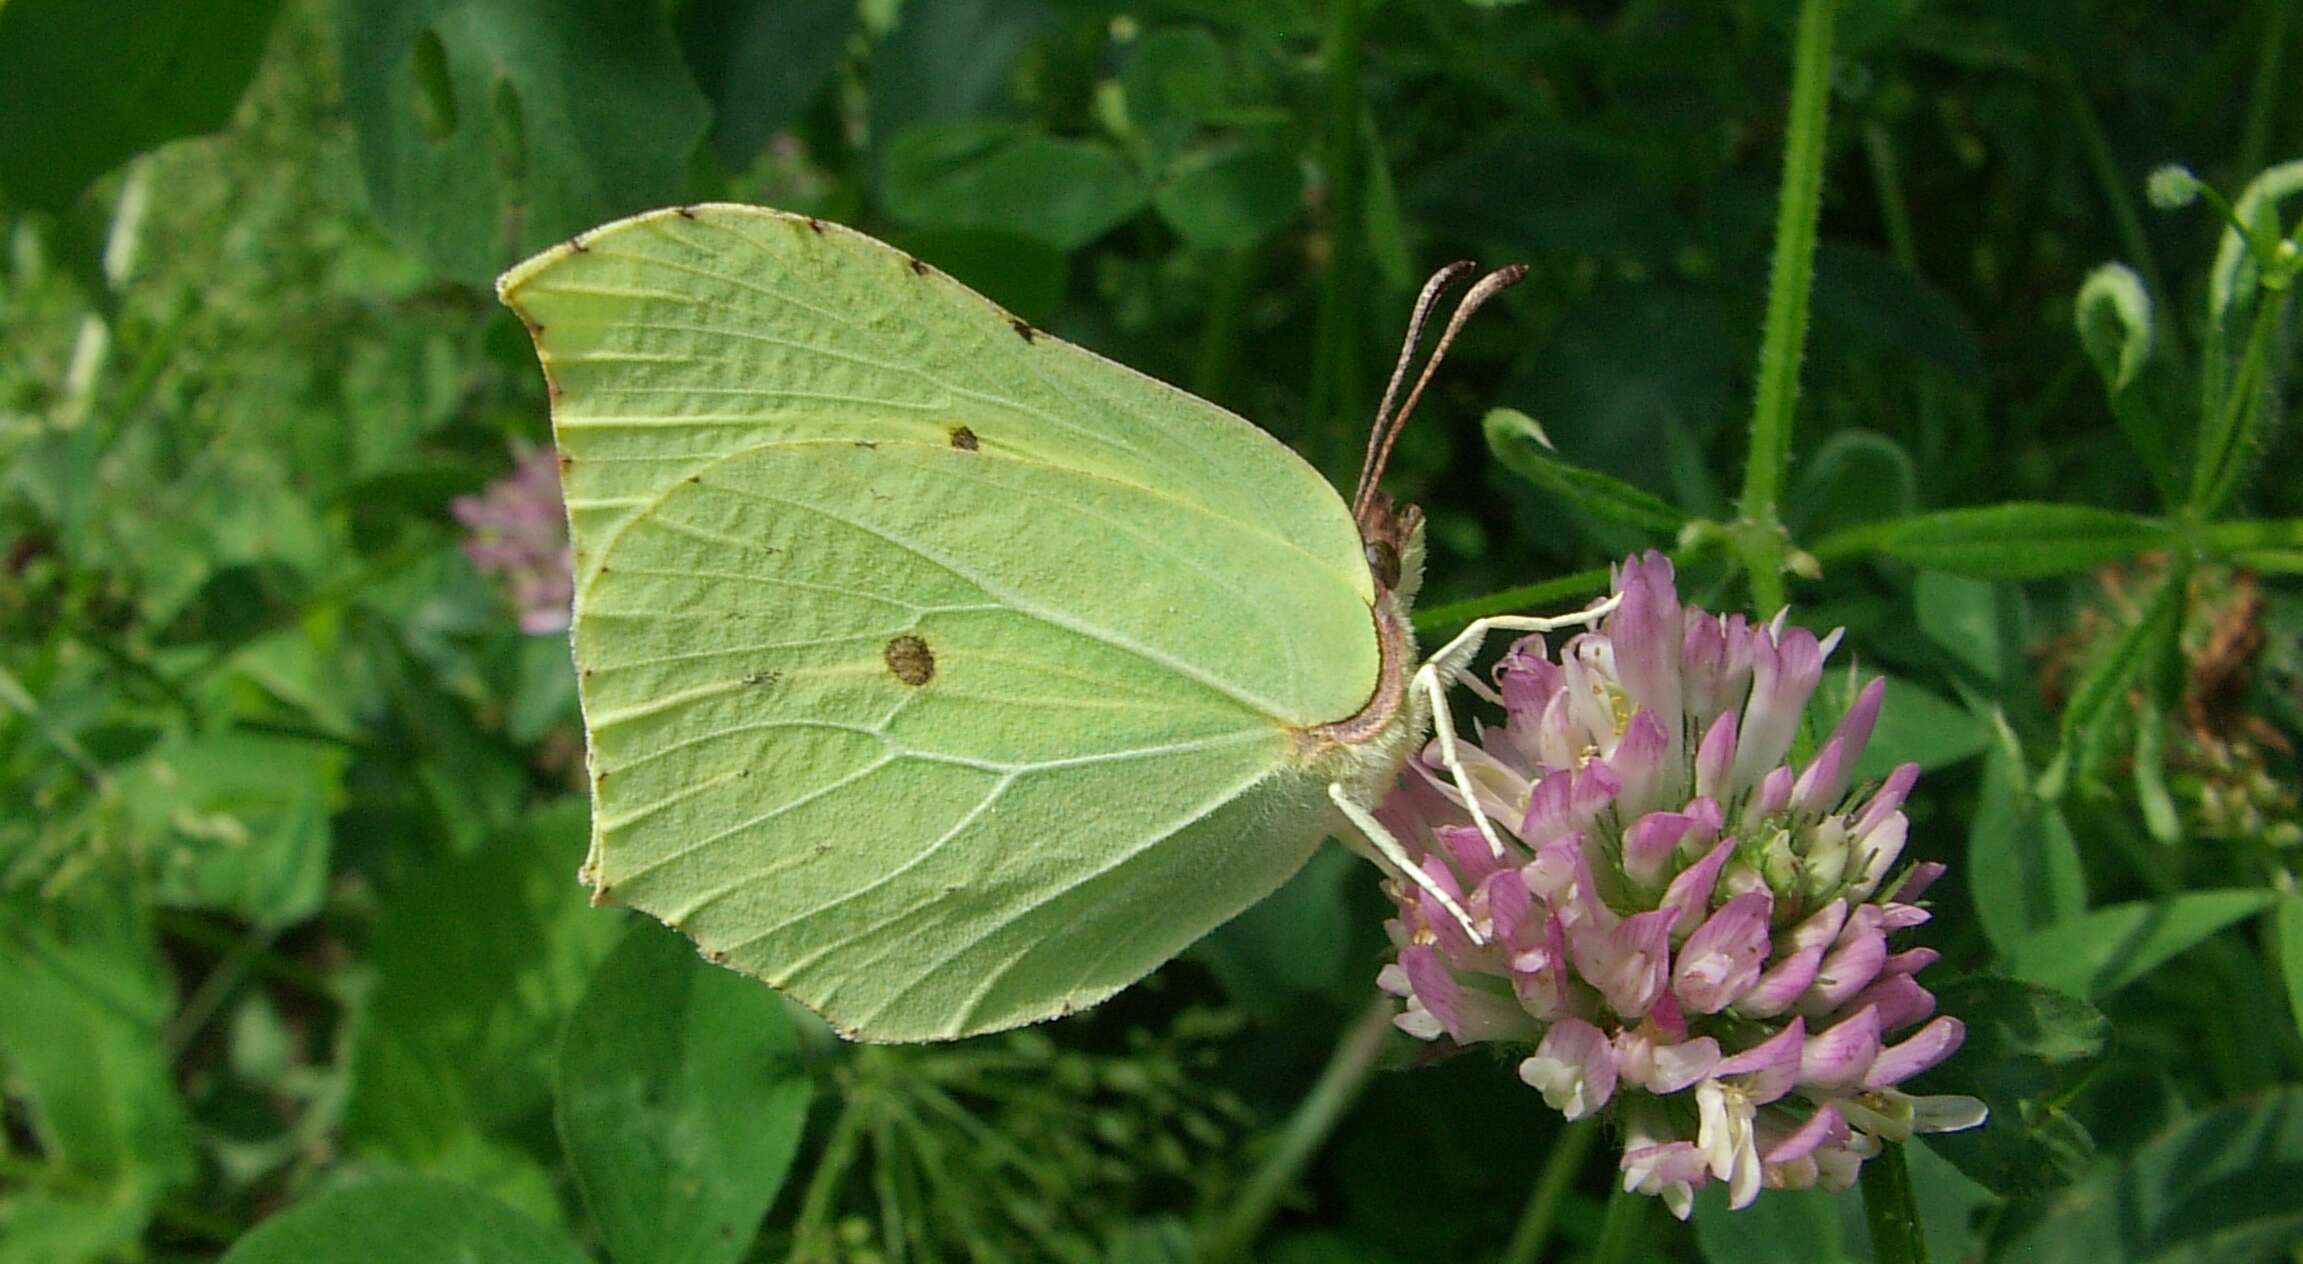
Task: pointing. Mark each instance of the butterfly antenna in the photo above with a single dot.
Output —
(1488, 287)
(1439, 284)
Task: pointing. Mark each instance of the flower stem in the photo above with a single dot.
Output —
(1619, 1230)
(1783, 340)
(1338, 1087)
(1559, 1171)
(1892, 1209)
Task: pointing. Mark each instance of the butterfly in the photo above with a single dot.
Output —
(940, 673)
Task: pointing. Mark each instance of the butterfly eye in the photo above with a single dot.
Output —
(1382, 562)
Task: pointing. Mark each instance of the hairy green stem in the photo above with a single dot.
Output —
(1551, 1184)
(1892, 1209)
(2225, 445)
(1783, 341)
(1338, 1087)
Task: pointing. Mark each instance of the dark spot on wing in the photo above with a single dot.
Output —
(576, 243)
(911, 660)
(868, 443)
(964, 439)
(1023, 328)
(816, 226)
(763, 678)
(918, 268)
(684, 212)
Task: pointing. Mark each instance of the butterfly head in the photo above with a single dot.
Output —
(1391, 539)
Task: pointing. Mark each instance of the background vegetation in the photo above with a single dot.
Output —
(288, 808)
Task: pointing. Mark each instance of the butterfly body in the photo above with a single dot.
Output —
(940, 673)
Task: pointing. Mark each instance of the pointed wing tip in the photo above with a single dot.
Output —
(542, 261)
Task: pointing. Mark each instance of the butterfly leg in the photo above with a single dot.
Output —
(1396, 858)
(1448, 665)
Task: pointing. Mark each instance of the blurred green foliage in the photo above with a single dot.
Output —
(289, 939)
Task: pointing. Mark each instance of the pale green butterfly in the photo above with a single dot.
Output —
(940, 673)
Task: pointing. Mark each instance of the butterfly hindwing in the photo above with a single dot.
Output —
(938, 672)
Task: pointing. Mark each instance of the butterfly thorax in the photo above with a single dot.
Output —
(1365, 751)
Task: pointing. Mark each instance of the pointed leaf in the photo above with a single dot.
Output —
(681, 1097)
(2105, 950)
(2011, 541)
(1520, 444)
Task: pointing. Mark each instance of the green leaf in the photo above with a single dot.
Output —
(1855, 476)
(244, 818)
(83, 1002)
(1233, 201)
(2216, 1188)
(2012, 541)
(37, 1227)
(88, 84)
(2022, 862)
(1173, 85)
(477, 963)
(2114, 319)
(2289, 926)
(1295, 941)
(1521, 445)
(1962, 617)
(681, 1099)
(1002, 177)
(490, 129)
(1919, 726)
(2026, 1048)
(761, 63)
(402, 1220)
(2103, 951)
(948, 61)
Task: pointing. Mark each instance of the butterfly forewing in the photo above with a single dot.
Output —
(936, 671)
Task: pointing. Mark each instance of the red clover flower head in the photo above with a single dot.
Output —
(1690, 930)
(518, 532)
